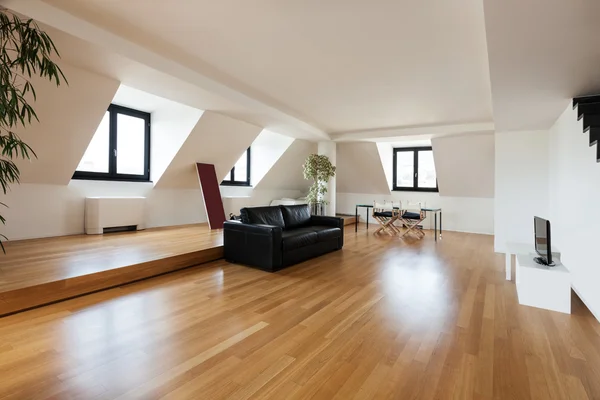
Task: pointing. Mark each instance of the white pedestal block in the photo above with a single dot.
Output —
(521, 248)
(541, 286)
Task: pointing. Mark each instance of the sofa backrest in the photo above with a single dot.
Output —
(296, 216)
(262, 215)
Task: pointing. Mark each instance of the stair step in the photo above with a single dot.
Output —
(348, 219)
(590, 121)
(594, 136)
(588, 109)
(586, 100)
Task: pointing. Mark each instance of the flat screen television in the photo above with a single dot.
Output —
(542, 241)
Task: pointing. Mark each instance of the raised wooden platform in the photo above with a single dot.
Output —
(348, 219)
(42, 271)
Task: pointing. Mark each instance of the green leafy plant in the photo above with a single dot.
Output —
(25, 51)
(320, 169)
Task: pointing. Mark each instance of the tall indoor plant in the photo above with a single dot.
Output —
(318, 168)
(25, 52)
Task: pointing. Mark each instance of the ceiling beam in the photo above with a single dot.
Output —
(422, 130)
(85, 30)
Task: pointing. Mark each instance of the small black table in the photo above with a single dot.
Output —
(367, 206)
(435, 212)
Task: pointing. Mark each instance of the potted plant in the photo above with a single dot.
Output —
(318, 168)
(25, 51)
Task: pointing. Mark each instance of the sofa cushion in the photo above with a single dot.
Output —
(296, 216)
(297, 238)
(262, 215)
(327, 232)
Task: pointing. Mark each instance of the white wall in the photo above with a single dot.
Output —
(235, 199)
(461, 214)
(464, 164)
(54, 210)
(574, 198)
(521, 185)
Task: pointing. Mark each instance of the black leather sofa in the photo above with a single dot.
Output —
(272, 238)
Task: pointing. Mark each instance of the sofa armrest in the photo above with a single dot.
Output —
(258, 229)
(334, 222)
(253, 244)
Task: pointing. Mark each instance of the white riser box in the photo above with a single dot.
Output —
(114, 212)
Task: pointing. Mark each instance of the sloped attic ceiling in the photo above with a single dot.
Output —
(69, 116)
(216, 139)
(250, 55)
(287, 172)
(359, 169)
(267, 149)
(528, 57)
(542, 53)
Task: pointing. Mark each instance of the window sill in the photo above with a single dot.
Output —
(111, 179)
(422, 190)
(235, 184)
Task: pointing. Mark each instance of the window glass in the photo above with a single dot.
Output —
(131, 136)
(405, 169)
(426, 173)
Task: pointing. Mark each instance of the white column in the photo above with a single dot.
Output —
(329, 149)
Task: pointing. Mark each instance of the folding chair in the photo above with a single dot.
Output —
(411, 217)
(386, 215)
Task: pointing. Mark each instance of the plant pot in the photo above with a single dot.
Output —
(317, 209)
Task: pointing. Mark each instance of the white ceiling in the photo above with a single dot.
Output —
(542, 54)
(340, 65)
(348, 68)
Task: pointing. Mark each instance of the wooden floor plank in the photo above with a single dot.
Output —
(42, 271)
(382, 319)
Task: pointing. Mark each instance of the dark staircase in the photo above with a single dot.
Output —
(588, 110)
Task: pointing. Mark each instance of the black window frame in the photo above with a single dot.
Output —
(232, 181)
(415, 187)
(112, 175)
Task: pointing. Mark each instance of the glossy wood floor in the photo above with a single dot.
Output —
(40, 271)
(382, 319)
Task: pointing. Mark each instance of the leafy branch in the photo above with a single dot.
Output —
(25, 51)
(320, 169)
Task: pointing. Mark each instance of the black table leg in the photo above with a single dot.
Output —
(435, 226)
(367, 219)
(356, 220)
(440, 224)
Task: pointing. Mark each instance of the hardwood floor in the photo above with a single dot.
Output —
(41, 271)
(382, 319)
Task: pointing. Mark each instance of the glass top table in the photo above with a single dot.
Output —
(434, 210)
